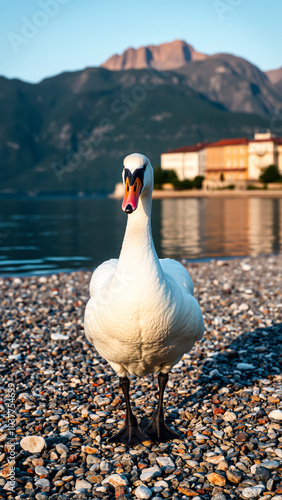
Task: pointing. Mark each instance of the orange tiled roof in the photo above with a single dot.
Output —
(189, 149)
(227, 169)
(229, 142)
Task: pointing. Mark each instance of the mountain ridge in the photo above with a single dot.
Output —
(166, 56)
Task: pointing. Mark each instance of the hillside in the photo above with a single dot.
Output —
(233, 82)
(44, 127)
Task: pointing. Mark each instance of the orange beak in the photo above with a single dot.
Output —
(131, 196)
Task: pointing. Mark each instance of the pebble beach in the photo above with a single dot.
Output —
(59, 401)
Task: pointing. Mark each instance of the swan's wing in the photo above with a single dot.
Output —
(175, 271)
(101, 276)
(190, 310)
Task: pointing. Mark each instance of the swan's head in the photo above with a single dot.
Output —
(138, 177)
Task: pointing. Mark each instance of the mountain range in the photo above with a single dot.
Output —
(70, 132)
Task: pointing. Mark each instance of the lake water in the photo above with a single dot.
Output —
(45, 235)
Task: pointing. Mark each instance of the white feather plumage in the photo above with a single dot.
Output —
(142, 316)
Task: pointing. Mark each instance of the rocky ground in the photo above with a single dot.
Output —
(60, 401)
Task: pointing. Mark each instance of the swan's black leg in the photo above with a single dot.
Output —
(131, 432)
(157, 429)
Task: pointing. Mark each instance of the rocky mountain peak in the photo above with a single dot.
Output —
(162, 57)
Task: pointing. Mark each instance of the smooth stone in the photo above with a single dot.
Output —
(276, 414)
(243, 307)
(165, 462)
(242, 437)
(63, 423)
(42, 483)
(37, 413)
(62, 448)
(192, 463)
(215, 459)
(216, 479)
(223, 465)
(81, 484)
(33, 444)
(252, 491)
(161, 483)
(218, 434)
(117, 480)
(59, 336)
(233, 476)
(105, 466)
(150, 473)
(246, 267)
(271, 464)
(143, 492)
(262, 474)
(91, 459)
(229, 416)
(219, 496)
(245, 366)
(41, 471)
(6, 472)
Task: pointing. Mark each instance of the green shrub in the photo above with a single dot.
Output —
(270, 174)
(163, 176)
(230, 186)
(198, 181)
(185, 184)
(251, 187)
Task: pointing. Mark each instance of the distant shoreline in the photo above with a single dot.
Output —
(157, 194)
(226, 193)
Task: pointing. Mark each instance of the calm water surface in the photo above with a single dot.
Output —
(45, 235)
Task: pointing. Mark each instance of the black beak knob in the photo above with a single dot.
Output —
(128, 209)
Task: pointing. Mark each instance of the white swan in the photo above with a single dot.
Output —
(141, 316)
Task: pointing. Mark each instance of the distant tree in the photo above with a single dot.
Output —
(185, 184)
(222, 177)
(163, 176)
(270, 174)
(198, 181)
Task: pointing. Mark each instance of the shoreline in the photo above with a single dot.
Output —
(186, 262)
(226, 193)
(157, 194)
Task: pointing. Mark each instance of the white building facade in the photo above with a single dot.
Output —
(188, 162)
(264, 150)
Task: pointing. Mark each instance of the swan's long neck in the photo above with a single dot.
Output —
(138, 251)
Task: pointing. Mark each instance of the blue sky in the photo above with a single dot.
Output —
(40, 38)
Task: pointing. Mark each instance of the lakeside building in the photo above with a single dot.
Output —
(264, 150)
(231, 160)
(227, 160)
(187, 162)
